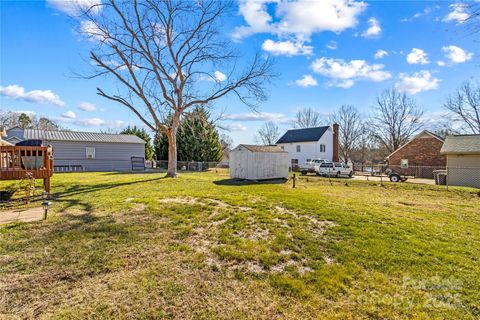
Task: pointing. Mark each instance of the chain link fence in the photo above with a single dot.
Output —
(448, 176)
(187, 165)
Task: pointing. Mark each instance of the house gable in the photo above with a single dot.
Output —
(422, 150)
(425, 134)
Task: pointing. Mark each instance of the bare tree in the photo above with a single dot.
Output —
(464, 104)
(307, 118)
(10, 119)
(268, 134)
(166, 57)
(350, 122)
(227, 144)
(473, 19)
(396, 118)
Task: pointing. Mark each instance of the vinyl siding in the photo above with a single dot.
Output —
(463, 170)
(108, 156)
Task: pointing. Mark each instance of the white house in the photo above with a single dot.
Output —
(310, 143)
(253, 162)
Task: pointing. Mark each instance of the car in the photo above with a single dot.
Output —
(309, 166)
(335, 169)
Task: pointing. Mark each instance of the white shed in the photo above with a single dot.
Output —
(253, 162)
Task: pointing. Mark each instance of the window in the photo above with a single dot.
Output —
(299, 148)
(90, 152)
(404, 163)
(308, 160)
(322, 148)
(294, 161)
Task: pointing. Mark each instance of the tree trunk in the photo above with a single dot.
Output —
(172, 154)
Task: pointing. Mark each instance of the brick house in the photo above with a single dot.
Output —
(420, 156)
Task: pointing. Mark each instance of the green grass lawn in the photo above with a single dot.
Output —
(125, 246)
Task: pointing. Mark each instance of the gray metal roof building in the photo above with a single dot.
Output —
(85, 151)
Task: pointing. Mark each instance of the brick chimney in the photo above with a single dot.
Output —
(336, 132)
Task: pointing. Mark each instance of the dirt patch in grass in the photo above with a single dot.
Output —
(182, 200)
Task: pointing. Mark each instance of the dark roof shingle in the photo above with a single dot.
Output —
(461, 144)
(303, 135)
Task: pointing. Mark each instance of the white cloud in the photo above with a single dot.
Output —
(235, 126)
(306, 81)
(380, 54)
(69, 115)
(219, 76)
(332, 45)
(456, 54)
(17, 92)
(299, 18)
(86, 106)
(344, 73)
(417, 56)
(90, 122)
(257, 116)
(441, 63)
(91, 31)
(374, 30)
(76, 7)
(417, 15)
(216, 77)
(418, 82)
(459, 13)
(286, 48)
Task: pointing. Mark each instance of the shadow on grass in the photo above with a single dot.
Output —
(125, 173)
(241, 182)
(70, 195)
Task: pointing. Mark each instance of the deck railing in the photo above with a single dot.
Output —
(15, 162)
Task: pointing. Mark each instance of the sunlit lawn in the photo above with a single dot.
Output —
(125, 246)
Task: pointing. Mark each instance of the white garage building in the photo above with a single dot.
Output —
(463, 160)
(254, 162)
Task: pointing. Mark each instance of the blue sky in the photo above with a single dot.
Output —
(420, 47)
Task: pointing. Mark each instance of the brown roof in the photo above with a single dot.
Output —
(258, 148)
(461, 144)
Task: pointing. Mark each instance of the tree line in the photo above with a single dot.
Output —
(394, 119)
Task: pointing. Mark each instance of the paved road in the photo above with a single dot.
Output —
(25, 215)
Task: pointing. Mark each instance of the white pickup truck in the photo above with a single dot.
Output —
(309, 166)
(335, 169)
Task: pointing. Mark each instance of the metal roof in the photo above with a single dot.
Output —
(258, 148)
(303, 135)
(64, 135)
(461, 144)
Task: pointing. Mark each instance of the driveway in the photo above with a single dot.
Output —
(410, 180)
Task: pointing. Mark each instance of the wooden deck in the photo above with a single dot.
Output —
(16, 162)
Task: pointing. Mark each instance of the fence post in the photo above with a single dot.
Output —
(294, 179)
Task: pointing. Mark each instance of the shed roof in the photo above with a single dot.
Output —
(259, 148)
(303, 135)
(78, 136)
(461, 144)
